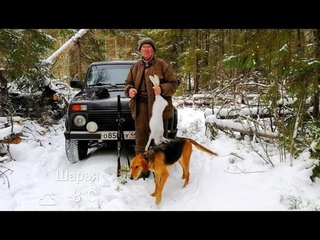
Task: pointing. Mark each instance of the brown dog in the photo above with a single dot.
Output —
(161, 157)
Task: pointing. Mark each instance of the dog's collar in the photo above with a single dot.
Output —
(145, 156)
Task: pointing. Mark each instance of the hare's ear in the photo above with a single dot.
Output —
(151, 78)
(156, 81)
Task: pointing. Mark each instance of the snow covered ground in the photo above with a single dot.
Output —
(40, 178)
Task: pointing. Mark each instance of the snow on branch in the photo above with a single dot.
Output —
(70, 43)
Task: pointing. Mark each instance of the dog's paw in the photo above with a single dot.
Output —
(158, 198)
(166, 140)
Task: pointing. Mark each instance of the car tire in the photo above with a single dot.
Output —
(76, 150)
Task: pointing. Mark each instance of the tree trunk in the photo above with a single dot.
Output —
(316, 96)
(69, 44)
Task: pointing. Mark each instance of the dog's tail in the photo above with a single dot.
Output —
(200, 147)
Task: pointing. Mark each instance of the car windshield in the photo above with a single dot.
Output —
(107, 75)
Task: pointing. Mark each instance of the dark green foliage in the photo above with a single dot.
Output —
(241, 63)
(315, 171)
(311, 139)
(22, 50)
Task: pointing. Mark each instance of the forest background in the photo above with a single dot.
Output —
(279, 66)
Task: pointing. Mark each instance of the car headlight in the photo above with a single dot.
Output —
(79, 120)
(92, 127)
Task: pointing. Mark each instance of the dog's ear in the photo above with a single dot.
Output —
(144, 164)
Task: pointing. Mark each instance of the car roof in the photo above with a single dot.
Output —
(114, 62)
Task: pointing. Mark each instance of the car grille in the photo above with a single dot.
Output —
(107, 121)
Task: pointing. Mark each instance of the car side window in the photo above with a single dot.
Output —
(89, 77)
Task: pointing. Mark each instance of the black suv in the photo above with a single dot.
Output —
(98, 110)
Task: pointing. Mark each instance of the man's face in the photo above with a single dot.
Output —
(146, 51)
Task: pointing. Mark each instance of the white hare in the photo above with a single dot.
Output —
(156, 121)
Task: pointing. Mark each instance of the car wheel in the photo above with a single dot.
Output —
(76, 150)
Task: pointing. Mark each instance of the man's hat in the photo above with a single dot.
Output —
(147, 41)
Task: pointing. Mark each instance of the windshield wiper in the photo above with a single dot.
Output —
(103, 84)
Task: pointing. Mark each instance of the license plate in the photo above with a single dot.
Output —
(113, 135)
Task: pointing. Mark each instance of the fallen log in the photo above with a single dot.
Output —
(14, 119)
(242, 127)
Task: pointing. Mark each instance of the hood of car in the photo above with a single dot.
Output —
(101, 98)
(97, 93)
